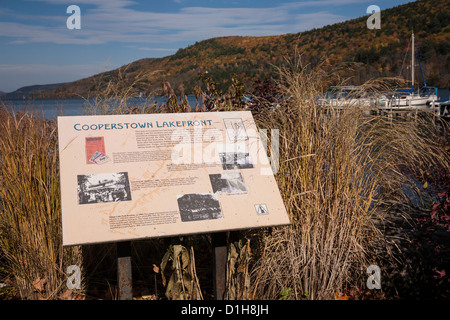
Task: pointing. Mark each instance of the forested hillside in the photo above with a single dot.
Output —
(371, 53)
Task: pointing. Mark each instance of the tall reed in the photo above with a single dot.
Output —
(112, 95)
(30, 211)
(337, 171)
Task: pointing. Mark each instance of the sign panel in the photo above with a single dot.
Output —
(126, 177)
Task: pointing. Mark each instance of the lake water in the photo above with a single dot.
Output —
(51, 108)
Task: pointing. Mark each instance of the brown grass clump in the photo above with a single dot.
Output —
(338, 171)
(113, 95)
(30, 210)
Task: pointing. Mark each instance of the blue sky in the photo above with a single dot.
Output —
(36, 47)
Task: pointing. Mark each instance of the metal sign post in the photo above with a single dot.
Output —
(124, 276)
(219, 244)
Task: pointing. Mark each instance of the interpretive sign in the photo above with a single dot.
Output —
(126, 177)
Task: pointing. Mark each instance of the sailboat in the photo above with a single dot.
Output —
(411, 97)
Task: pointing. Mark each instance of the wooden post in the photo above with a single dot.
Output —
(219, 244)
(124, 276)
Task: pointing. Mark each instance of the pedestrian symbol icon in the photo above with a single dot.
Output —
(261, 209)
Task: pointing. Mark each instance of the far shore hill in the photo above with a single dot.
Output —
(357, 52)
(29, 91)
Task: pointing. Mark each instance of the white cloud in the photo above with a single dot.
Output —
(115, 21)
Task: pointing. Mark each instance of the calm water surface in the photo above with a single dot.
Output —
(51, 108)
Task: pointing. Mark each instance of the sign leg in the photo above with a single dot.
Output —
(219, 243)
(124, 278)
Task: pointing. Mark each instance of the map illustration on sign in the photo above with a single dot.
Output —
(235, 129)
(126, 177)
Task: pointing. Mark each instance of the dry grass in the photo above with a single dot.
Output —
(337, 171)
(113, 95)
(30, 216)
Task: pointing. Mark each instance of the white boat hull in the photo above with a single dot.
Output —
(404, 102)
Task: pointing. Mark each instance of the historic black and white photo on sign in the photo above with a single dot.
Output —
(229, 183)
(103, 187)
(235, 160)
(199, 206)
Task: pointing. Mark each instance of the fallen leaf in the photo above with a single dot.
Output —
(67, 295)
(79, 296)
(340, 296)
(441, 273)
(39, 284)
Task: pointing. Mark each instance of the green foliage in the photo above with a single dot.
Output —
(285, 293)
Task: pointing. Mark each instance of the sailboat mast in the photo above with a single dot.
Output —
(412, 61)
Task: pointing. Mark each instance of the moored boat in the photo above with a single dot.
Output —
(412, 97)
(339, 97)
